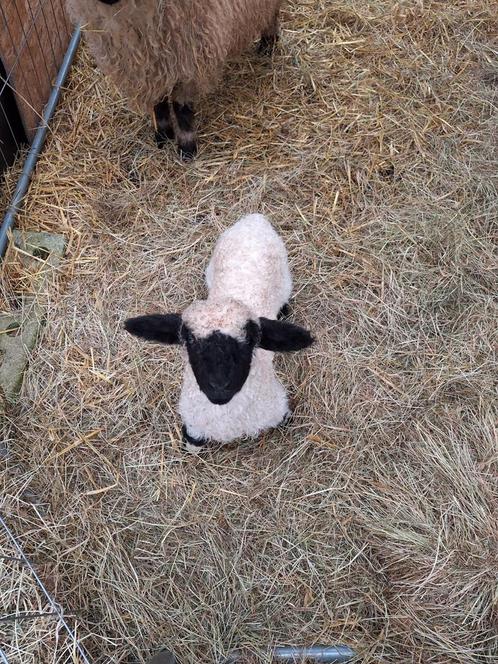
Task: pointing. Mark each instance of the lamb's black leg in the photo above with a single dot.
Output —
(284, 312)
(163, 123)
(269, 37)
(287, 419)
(193, 445)
(185, 129)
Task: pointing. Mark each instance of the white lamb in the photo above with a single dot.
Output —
(230, 389)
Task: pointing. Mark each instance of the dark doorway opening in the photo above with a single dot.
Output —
(12, 134)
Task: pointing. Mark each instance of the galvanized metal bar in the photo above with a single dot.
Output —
(291, 655)
(322, 654)
(38, 142)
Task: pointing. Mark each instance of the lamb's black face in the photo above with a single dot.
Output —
(220, 362)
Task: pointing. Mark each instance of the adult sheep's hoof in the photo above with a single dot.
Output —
(187, 151)
(162, 136)
(267, 44)
(191, 444)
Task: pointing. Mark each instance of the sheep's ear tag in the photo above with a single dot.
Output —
(282, 337)
(164, 329)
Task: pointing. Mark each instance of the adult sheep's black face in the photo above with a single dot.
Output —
(220, 337)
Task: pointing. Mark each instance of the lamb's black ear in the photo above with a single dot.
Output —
(156, 327)
(283, 337)
(109, 2)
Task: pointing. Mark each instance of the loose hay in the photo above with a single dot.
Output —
(372, 520)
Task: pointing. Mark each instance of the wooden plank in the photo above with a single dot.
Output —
(33, 39)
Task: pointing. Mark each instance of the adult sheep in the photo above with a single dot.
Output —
(230, 389)
(164, 54)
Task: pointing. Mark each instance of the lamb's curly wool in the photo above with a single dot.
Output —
(147, 47)
(248, 277)
(249, 264)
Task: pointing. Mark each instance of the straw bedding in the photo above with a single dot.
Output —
(371, 519)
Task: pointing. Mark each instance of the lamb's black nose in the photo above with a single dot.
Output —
(219, 401)
(219, 392)
(219, 384)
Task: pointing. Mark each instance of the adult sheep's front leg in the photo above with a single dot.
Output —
(269, 36)
(163, 123)
(183, 110)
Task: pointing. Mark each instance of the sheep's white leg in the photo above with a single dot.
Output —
(183, 111)
(163, 122)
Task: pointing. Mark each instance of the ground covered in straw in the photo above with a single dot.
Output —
(371, 520)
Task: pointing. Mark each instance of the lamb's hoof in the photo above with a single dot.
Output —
(267, 44)
(187, 151)
(284, 312)
(287, 419)
(162, 136)
(191, 444)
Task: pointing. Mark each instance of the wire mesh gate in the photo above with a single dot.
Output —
(36, 50)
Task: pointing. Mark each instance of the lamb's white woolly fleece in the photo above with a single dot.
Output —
(248, 277)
